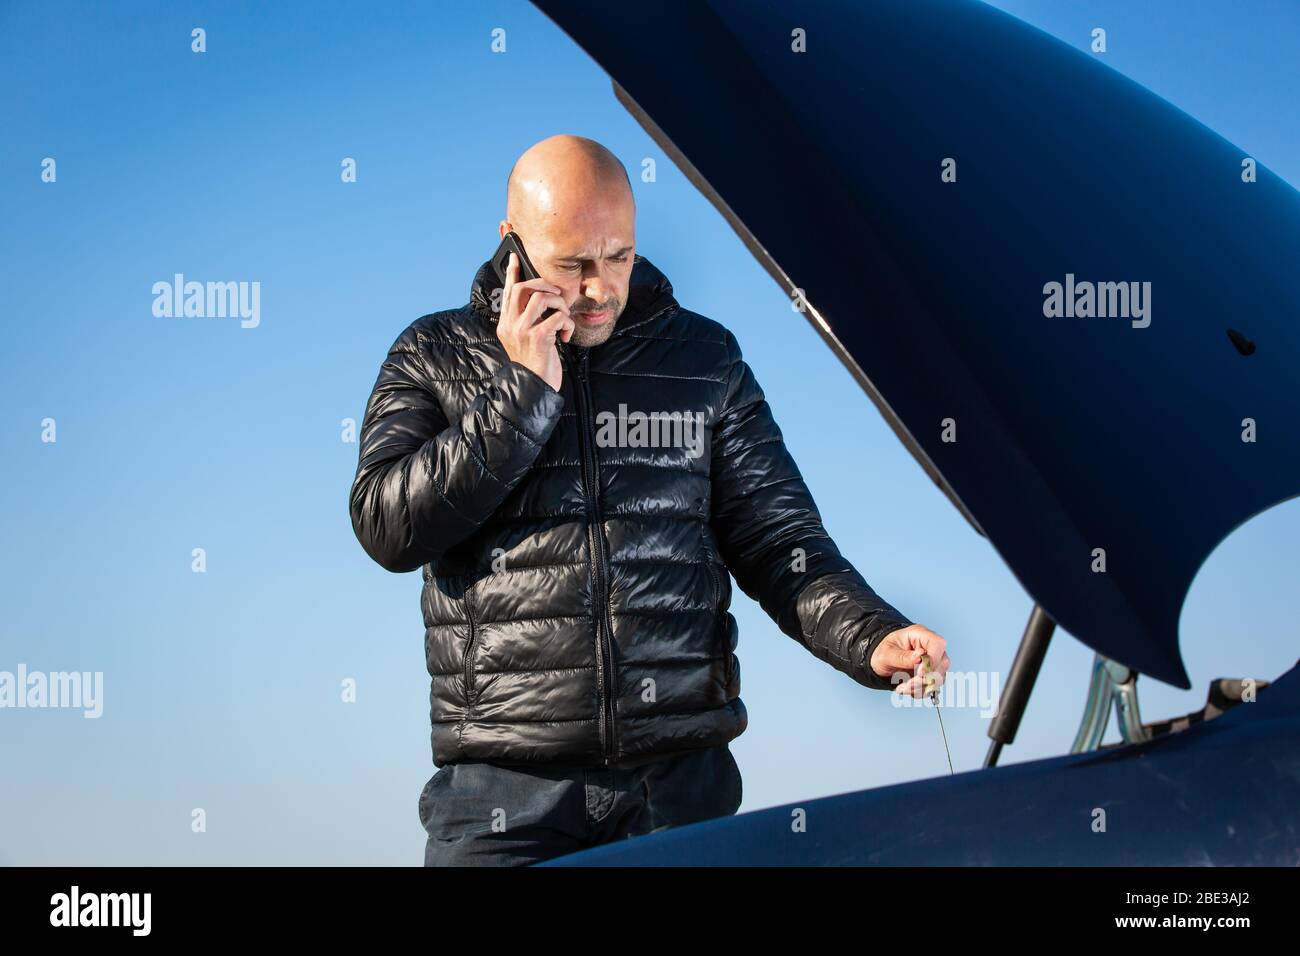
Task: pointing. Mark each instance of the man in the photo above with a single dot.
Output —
(577, 487)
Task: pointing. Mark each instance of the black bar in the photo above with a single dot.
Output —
(1020, 682)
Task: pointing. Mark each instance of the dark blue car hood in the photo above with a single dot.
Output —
(1220, 793)
(1073, 433)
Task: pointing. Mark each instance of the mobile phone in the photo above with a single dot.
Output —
(501, 258)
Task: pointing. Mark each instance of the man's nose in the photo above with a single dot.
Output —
(596, 291)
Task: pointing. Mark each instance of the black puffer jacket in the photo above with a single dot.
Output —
(576, 585)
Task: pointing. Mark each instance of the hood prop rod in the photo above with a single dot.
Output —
(1020, 682)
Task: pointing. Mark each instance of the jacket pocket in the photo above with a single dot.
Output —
(470, 647)
(729, 657)
(722, 627)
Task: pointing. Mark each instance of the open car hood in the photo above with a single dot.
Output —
(1072, 433)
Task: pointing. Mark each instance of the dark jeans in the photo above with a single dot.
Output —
(484, 814)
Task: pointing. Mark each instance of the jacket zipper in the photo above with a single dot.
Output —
(469, 653)
(605, 681)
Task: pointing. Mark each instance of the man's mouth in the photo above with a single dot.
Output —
(592, 318)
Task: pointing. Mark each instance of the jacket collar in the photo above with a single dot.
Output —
(649, 293)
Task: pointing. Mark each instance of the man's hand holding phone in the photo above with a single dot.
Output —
(528, 337)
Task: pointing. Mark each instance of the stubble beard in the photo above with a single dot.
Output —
(585, 337)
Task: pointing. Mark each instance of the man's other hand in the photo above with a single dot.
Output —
(901, 651)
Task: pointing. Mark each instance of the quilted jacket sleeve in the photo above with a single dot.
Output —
(773, 541)
(425, 483)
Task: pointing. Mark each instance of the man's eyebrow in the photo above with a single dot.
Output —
(617, 252)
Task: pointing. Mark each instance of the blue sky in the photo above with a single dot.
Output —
(222, 689)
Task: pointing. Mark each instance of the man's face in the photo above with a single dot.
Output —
(585, 245)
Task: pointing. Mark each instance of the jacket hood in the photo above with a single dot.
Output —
(649, 292)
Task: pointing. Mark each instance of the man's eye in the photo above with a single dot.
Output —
(618, 258)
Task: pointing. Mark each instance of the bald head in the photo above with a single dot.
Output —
(556, 172)
(570, 201)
